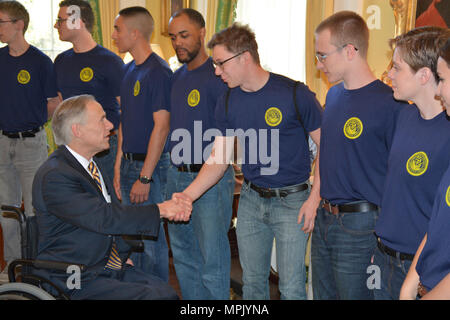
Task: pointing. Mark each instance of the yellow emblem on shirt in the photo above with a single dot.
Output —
(137, 88)
(353, 128)
(23, 77)
(447, 196)
(194, 98)
(86, 74)
(273, 116)
(417, 164)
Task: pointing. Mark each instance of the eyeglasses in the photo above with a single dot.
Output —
(60, 20)
(322, 57)
(5, 21)
(221, 63)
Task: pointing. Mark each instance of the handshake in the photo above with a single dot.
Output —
(179, 208)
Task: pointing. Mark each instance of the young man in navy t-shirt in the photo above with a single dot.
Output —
(89, 68)
(429, 274)
(144, 126)
(272, 123)
(357, 129)
(200, 248)
(27, 89)
(418, 159)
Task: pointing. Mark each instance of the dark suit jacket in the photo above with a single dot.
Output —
(75, 222)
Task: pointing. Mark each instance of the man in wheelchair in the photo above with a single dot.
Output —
(80, 219)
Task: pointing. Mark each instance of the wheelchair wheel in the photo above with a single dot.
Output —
(23, 291)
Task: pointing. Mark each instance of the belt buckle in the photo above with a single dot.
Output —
(265, 193)
(283, 193)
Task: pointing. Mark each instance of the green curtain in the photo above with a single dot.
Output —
(97, 30)
(226, 14)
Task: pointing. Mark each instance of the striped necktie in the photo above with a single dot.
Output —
(114, 261)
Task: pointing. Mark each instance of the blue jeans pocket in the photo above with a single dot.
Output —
(358, 223)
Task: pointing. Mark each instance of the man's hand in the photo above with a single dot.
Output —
(179, 208)
(139, 192)
(308, 211)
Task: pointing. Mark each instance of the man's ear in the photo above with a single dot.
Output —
(76, 132)
(20, 25)
(425, 74)
(203, 33)
(350, 51)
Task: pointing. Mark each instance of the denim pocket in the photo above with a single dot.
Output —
(358, 223)
(295, 200)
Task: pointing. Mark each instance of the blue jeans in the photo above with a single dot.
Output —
(155, 258)
(259, 221)
(163, 167)
(341, 248)
(393, 273)
(107, 158)
(200, 248)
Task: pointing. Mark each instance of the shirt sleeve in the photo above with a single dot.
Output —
(48, 78)
(309, 108)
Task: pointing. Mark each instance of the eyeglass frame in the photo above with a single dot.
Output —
(60, 20)
(220, 64)
(323, 57)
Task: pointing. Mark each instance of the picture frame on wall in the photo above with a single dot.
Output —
(433, 13)
(168, 8)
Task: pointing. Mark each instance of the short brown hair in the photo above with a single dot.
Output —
(16, 11)
(347, 27)
(141, 19)
(236, 38)
(420, 47)
(445, 52)
(86, 12)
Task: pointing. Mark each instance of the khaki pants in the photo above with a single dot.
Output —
(19, 161)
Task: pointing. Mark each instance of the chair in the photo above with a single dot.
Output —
(23, 283)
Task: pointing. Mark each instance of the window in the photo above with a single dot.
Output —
(280, 32)
(41, 33)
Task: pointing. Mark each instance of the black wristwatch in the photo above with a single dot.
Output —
(145, 179)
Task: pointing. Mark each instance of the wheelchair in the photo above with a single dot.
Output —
(23, 284)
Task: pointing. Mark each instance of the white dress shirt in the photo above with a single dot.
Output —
(85, 163)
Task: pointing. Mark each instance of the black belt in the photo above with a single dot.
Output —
(363, 206)
(190, 167)
(134, 156)
(392, 252)
(23, 134)
(281, 192)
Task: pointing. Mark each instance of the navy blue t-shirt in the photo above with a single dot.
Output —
(419, 157)
(97, 72)
(267, 126)
(145, 89)
(193, 100)
(25, 84)
(434, 262)
(357, 130)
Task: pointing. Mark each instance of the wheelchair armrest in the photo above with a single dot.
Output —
(40, 264)
(13, 212)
